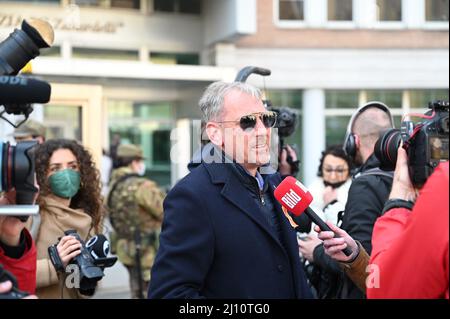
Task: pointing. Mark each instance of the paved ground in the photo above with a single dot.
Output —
(115, 284)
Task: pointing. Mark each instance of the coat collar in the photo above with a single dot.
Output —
(236, 193)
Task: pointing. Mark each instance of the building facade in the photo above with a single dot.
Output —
(138, 67)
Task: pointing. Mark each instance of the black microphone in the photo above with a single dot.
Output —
(98, 246)
(23, 90)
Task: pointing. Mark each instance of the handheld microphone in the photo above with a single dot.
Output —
(99, 248)
(296, 198)
(22, 90)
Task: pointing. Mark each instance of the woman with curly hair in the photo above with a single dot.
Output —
(69, 198)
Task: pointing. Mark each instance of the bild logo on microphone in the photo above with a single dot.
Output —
(291, 198)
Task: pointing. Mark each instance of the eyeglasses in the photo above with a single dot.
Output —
(338, 170)
(269, 119)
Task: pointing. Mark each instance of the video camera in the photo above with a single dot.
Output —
(91, 262)
(426, 143)
(16, 95)
(287, 118)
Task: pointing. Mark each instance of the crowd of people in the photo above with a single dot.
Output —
(220, 232)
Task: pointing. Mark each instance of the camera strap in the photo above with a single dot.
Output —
(376, 171)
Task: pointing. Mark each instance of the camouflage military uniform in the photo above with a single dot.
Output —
(135, 204)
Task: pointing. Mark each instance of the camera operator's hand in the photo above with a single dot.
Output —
(6, 286)
(284, 167)
(10, 227)
(68, 248)
(333, 246)
(402, 187)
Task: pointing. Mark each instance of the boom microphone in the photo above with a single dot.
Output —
(296, 198)
(22, 90)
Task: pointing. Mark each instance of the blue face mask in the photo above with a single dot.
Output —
(65, 183)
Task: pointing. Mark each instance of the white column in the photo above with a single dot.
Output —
(313, 132)
(364, 13)
(144, 54)
(413, 13)
(180, 152)
(66, 50)
(315, 12)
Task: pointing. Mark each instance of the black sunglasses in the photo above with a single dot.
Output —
(269, 119)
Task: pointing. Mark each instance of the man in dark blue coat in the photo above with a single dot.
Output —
(224, 235)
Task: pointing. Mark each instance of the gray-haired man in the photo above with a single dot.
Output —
(224, 235)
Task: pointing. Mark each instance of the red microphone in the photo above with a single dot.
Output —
(296, 198)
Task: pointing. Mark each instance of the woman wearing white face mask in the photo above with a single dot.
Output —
(135, 206)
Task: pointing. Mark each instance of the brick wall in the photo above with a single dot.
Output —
(269, 35)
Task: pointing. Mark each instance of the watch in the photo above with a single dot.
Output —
(397, 203)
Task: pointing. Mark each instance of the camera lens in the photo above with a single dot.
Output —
(6, 152)
(17, 170)
(386, 149)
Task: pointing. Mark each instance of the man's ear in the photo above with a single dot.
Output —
(214, 133)
(357, 141)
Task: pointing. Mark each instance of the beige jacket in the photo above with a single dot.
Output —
(55, 219)
(357, 269)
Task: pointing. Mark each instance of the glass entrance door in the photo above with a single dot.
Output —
(63, 121)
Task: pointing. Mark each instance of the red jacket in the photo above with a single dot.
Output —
(24, 268)
(410, 249)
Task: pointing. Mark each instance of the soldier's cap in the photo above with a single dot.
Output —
(130, 150)
(28, 128)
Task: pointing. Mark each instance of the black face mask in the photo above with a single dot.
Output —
(334, 185)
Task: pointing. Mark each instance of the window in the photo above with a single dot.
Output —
(37, 1)
(436, 10)
(161, 147)
(127, 4)
(63, 121)
(179, 6)
(340, 10)
(341, 99)
(104, 54)
(392, 98)
(336, 127)
(389, 10)
(147, 125)
(175, 58)
(419, 99)
(291, 10)
(292, 99)
(54, 51)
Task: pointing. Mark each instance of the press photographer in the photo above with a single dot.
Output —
(17, 178)
(89, 261)
(410, 240)
(17, 254)
(69, 199)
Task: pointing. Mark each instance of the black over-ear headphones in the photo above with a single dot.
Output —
(351, 140)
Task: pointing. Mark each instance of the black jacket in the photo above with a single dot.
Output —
(367, 195)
